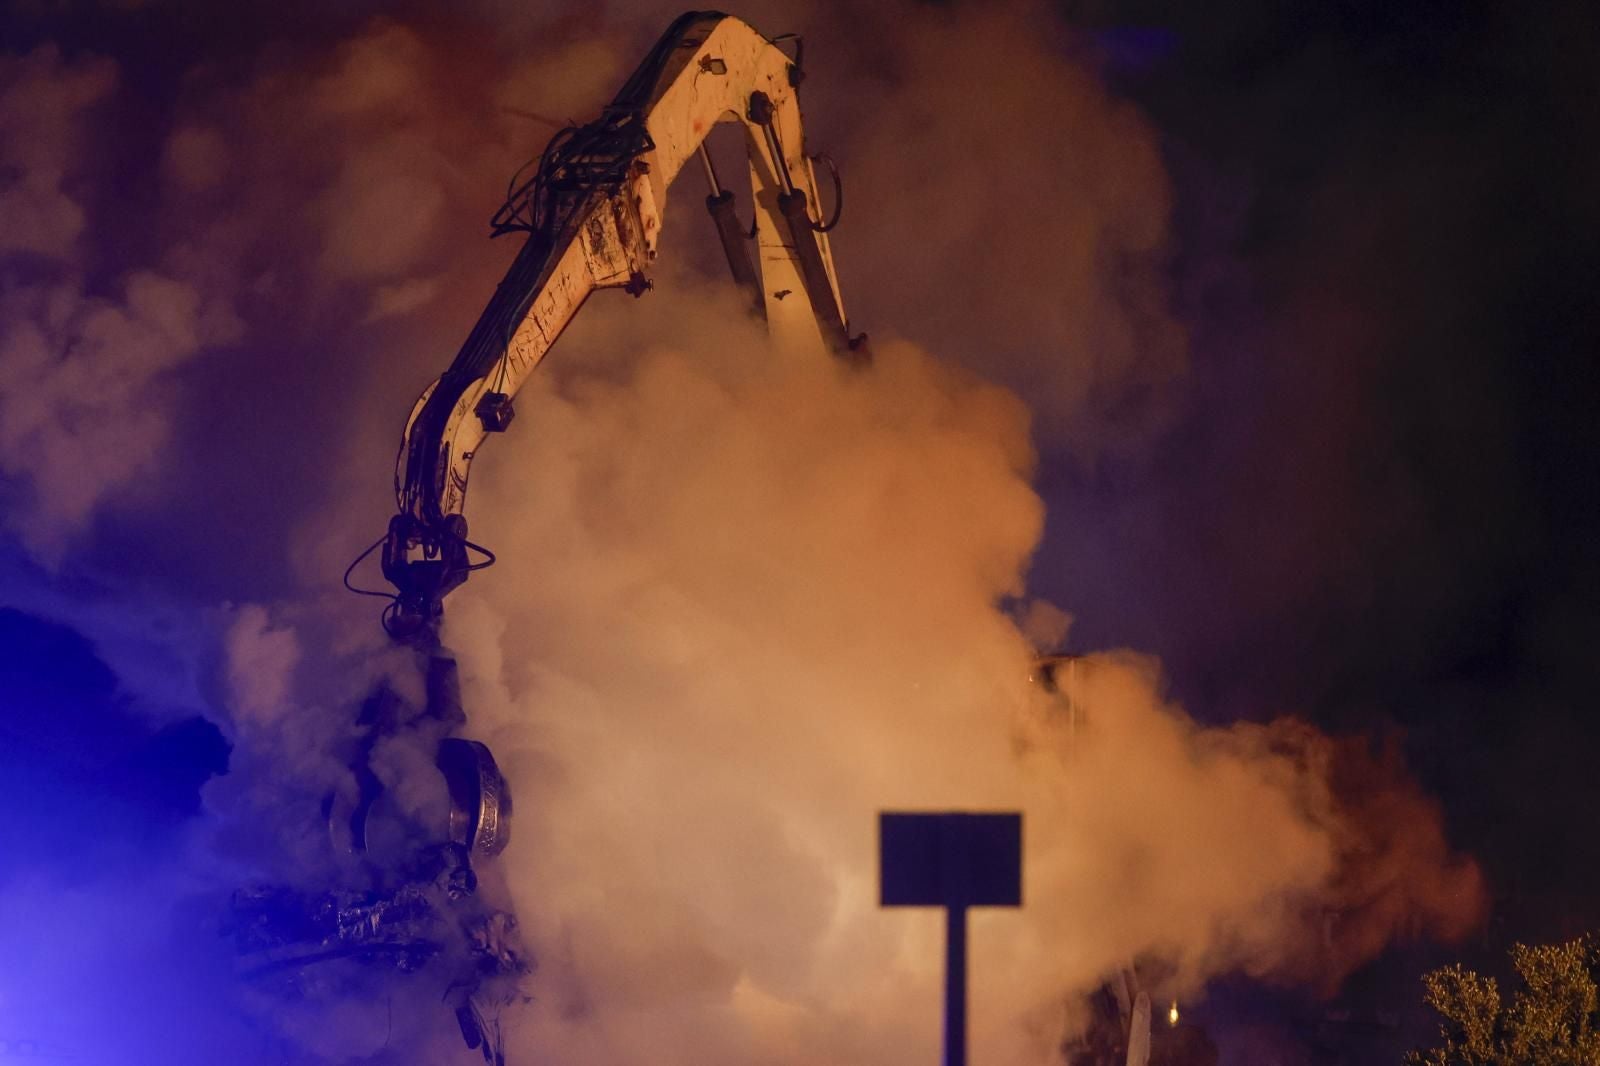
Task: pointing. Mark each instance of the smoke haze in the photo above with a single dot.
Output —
(743, 604)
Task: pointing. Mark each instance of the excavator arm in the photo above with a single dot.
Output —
(592, 211)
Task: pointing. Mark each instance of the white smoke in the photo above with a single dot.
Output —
(743, 604)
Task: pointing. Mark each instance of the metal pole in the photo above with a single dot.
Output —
(955, 986)
(711, 171)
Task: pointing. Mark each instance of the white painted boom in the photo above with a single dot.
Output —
(593, 214)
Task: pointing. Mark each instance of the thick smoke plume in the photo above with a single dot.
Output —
(744, 603)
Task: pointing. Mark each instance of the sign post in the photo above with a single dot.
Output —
(952, 860)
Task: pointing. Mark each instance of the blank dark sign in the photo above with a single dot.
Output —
(950, 860)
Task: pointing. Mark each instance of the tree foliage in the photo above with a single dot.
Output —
(1550, 1021)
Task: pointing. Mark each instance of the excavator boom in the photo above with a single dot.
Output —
(592, 212)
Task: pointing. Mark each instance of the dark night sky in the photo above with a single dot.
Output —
(1372, 500)
(1406, 300)
(1409, 308)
